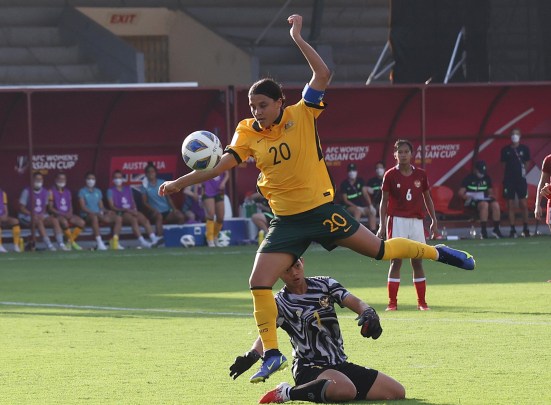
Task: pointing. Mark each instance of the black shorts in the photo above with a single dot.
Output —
(294, 233)
(512, 188)
(474, 203)
(362, 377)
(217, 198)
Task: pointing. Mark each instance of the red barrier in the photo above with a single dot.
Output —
(77, 130)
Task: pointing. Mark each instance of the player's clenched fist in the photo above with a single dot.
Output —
(296, 21)
(370, 324)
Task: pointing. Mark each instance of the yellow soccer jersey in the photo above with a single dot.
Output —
(293, 174)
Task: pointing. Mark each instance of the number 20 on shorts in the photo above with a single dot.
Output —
(337, 221)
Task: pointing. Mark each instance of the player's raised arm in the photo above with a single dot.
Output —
(227, 162)
(320, 72)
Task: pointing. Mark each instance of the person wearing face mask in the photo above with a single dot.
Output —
(514, 157)
(121, 200)
(93, 212)
(161, 209)
(284, 141)
(35, 199)
(356, 198)
(476, 191)
(60, 205)
(374, 185)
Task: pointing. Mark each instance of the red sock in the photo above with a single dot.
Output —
(393, 286)
(421, 288)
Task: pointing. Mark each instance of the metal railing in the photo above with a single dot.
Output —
(271, 23)
(375, 74)
(451, 68)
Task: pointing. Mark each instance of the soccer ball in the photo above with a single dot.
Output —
(224, 239)
(187, 241)
(201, 150)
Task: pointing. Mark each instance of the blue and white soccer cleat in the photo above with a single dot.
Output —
(269, 366)
(454, 257)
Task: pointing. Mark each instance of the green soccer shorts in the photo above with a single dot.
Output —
(294, 233)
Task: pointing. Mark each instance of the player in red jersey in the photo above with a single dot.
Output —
(544, 190)
(405, 196)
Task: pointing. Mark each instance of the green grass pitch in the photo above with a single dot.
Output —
(162, 326)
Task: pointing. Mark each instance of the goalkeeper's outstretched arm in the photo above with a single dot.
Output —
(368, 320)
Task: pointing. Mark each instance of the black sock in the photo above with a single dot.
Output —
(314, 391)
(496, 225)
(381, 251)
(483, 226)
(525, 226)
(272, 352)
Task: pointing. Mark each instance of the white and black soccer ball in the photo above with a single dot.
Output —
(201, 150)
(187, 241)
(224, 239)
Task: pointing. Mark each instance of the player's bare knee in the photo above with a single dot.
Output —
(395, 391)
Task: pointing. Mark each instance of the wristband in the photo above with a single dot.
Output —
(253, 354)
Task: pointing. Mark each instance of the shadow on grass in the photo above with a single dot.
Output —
(408, 401)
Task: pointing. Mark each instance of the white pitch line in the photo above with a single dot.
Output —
(240, 314)
(122, 309)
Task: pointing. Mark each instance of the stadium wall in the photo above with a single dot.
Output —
(99, 129)
(223, 64)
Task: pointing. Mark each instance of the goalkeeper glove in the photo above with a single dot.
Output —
(370, 324)
(243, 363)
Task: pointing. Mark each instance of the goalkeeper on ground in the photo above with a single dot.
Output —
(320, 367)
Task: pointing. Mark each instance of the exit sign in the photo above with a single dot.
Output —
(123, 19)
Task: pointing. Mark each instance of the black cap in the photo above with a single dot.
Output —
(480, 166)
(351, 167)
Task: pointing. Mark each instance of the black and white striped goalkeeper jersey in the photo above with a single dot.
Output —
(311, 322)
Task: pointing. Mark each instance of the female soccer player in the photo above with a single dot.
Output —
(321, 368)
(60, 204)
(161, 209)
(213, 203)
(296, 182)
(405, 192)
(544, 190)
(121, 200)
